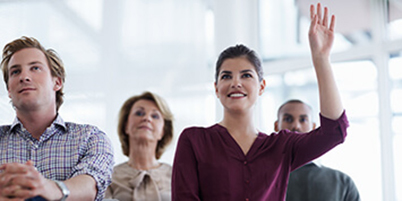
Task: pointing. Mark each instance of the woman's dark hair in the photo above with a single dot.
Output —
(239, 51)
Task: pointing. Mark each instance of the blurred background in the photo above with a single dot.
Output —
(113, 49)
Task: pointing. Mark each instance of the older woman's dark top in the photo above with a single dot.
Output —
(210, 165)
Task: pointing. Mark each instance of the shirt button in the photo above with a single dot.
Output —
(247, 181)
(247, 199)
(245, 162)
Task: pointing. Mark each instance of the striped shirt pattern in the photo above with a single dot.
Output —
(64, 150)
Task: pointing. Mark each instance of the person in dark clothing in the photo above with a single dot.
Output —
(232, 160)
(312, 181)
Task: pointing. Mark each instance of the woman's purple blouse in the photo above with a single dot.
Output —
(210, 165)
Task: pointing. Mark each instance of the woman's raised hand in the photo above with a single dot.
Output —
(321, 34)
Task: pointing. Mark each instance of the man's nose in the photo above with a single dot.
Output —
(296, 126)
(24, 77)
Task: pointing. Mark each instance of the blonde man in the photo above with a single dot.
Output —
(41, 156)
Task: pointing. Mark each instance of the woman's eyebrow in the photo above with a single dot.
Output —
(226, 72)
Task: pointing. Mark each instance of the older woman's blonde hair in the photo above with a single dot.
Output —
(167, 117)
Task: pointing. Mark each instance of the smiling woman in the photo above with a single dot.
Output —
(232, 160)
(238, 85)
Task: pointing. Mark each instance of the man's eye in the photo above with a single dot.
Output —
(288, 119)
(35, 68)
(14, 72)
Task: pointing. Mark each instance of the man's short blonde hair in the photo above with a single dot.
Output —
(54, 62)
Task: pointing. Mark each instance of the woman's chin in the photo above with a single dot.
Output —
(236, 108)
(141, 139)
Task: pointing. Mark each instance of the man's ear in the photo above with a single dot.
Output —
(57, 84)
(8, 90)
(276, 126)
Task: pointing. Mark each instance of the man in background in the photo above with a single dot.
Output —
(41, 156)
(312, 182)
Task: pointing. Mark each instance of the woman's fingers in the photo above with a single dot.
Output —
(332, 25)
(325, 20)
(319, 13)
(316, 15)
(312, 12)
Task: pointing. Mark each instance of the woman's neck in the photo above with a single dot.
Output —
(142, 157)
(239, 124)
(241, 128)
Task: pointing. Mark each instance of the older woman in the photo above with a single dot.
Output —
(145, 129)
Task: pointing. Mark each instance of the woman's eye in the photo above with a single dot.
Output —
(139, 113)
(35, 68)
(247, 75)
(155, 116)
(225, 77)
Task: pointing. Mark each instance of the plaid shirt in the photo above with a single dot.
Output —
(64, 150)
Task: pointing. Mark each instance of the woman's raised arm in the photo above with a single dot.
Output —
(321, 37)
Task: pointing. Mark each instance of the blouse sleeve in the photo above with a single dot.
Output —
(311, 145)
(185, 185)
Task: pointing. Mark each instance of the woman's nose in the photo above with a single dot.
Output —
(147, 118)
(236, 83)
